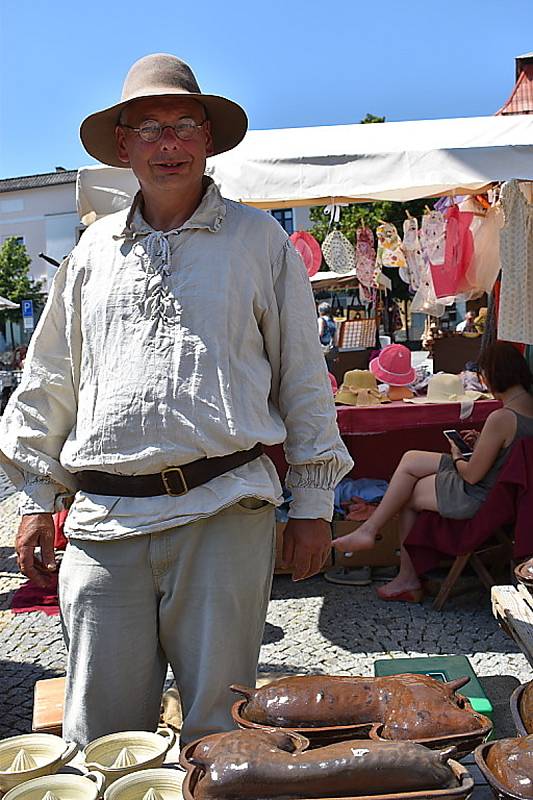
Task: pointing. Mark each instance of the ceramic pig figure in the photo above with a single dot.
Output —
(251, 768)
(409, 706)
(511, 763)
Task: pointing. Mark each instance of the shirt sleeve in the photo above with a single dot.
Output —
(315, 452)
(42, 411)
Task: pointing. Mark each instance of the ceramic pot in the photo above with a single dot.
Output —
(460, 792)
(60, 787)
(119, 754)
(30, 756)
(318, 737)
(500, 791)
(150, 784)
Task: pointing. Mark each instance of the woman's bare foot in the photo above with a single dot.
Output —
(398, 586)
(361, 539)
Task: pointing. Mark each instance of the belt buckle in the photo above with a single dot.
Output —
(168, 487)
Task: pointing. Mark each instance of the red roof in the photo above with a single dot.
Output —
(521, 99)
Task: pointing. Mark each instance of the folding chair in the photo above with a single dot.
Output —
(481, 541)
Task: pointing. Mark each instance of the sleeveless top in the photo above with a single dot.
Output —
(480, 490)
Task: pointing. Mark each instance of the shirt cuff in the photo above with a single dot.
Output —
(38, 496)
(311, 503)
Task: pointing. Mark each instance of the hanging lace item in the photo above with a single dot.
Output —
(158, 302)
(338, 252)
(365, 260)
(433, 237)
(413, 253)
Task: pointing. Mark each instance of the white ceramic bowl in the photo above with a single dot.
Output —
(63, 787)
(166, 782)
(119, 754)
(46, 753)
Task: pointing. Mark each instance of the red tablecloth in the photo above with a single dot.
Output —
(378, 436)
(398, 416)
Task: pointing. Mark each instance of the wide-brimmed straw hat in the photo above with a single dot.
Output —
(393, 366)
(359, 388)
(447, 388)
(162, 75)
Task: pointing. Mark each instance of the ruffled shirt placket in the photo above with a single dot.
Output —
(158, 304)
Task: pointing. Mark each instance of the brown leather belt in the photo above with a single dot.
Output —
(174, 481)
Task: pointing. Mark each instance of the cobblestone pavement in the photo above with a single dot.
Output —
(312, 626)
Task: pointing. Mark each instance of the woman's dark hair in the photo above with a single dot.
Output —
(503, 366)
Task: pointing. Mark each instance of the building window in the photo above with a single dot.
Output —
(18, 239)
(285, 218)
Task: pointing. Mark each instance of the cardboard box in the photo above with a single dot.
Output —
(48, 696)
(280, 527)
(385, 553)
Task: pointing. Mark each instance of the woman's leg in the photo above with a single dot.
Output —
(424, 498)
(415, 464)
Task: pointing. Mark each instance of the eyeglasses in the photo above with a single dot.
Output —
(151, 131)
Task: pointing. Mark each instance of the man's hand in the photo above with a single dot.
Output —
(306, 546)
(36, 530)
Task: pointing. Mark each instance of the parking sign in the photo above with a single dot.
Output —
(27, 314)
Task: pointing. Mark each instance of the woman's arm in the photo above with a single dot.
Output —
(497, 430)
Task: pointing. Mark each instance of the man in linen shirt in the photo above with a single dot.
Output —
(178, 335)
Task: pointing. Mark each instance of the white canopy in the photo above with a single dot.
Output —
(5, 303)
(349, 163)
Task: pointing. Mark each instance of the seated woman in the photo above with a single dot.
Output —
(450, 484)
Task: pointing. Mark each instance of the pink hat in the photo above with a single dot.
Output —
(309, 249)
(393, 366)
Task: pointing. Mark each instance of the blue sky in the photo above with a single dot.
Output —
(290, 64)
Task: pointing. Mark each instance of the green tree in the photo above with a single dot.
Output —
(357, 215)
(16, 283)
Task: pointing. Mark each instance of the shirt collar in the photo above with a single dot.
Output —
(209, 215)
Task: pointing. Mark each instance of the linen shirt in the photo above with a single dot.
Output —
(159, 348)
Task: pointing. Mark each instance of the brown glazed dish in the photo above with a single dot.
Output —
(398, 707)
(522, 708)
(524, 573)
(249, 766)
(507, 765)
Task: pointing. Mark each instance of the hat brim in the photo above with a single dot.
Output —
(469, 395)
(229, 124)
(390, 377)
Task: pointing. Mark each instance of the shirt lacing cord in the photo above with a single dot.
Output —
(158, 302)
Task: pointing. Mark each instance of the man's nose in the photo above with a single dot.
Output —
(169, 137)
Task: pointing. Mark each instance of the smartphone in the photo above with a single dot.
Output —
(455, 437)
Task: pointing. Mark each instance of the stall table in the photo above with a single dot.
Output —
(378, 436)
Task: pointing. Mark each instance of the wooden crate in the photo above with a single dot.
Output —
(280, 527)
(48, 698)
(385, 553)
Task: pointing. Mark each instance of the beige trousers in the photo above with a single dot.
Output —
(194, 597)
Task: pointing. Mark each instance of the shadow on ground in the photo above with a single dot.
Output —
(17, 680)
(355, 619)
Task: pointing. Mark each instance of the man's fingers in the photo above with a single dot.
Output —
(28, 566)
(47, 552)
(301, 567)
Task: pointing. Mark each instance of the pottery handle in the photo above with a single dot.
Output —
(458, 683)
(244, 690)
(445, 755)
(68, 753)
(98, 778)
(167, 733)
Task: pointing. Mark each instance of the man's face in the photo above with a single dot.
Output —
(170, 164)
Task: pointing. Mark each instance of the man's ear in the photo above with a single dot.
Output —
(122, 150)
(209, 147)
